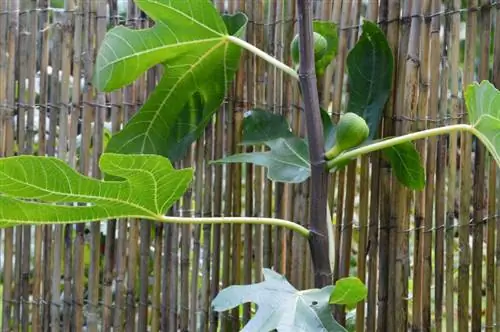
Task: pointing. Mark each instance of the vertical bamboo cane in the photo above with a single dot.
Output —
(415, 100)
(9, 151)
(466, 183)
(494, 185)
(37, 273)
(122, 239)
(433, 65)
(204, 303)
(64, 138)
(402, 208)
(373, 226)
(53, 150)
(453, 47)
(479, 200)
(110, 253)
(440, 198)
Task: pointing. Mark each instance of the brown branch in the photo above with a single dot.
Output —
(318, 241)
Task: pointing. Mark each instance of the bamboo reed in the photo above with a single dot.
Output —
(371, 14)
(53, 150)
(401, 220)
(440, 197)
(452, 45)
(493, 291)
(412, 92)
(204, 303)
(479, 200)
(245, 262)
(134, 280)
(466, 181)
(9, 151)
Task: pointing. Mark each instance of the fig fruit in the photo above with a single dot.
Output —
(351, 131)
(320, 46)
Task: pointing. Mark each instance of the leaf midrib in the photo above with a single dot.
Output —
(174, 88)
(71, 195)
(296, 154)
(25, 222)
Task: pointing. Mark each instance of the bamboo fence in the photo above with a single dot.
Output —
(431, 259)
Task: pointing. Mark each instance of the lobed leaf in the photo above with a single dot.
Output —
(288, 157)
(190, 40)
(281, 306)
(149, 186)
(287, 160)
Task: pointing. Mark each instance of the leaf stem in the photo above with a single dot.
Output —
(352, 154)
(239, 220)
(272, 60)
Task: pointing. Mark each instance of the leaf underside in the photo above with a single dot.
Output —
(288, 157)
(483, 107)
(32, 186)
(286, 161)
(281, 306)
(189, 39)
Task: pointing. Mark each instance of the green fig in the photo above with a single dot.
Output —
(351, 131)
(320, 46)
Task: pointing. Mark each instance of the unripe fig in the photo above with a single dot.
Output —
(351, 131)
(320, 46)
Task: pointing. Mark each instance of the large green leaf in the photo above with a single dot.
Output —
(150, 186)
(281, 306)
(370, 65)
(190, 39)
(483, 106)
(287, 160)
(406, 164)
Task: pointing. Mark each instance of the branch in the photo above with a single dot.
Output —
(318, 241)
